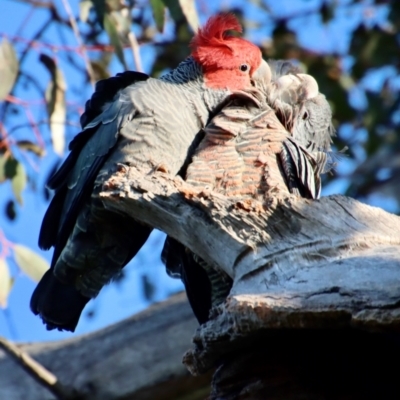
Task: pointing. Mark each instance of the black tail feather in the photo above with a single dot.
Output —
(59, 305)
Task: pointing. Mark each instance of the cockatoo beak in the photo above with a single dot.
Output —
(262, 73)
(308, 83)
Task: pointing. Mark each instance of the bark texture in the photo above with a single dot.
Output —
(322, 275)
(139, 358)
(314, 311)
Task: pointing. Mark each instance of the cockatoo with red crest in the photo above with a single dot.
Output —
(133, 120)
(274, 138)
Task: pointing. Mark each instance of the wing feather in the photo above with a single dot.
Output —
(73, 182)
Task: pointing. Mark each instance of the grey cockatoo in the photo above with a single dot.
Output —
(275, 138)
(137, 121)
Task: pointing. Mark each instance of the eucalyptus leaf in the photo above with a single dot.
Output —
(10, 167)
(99, 69)
(8, 68)
(183, 9)
(31, 263)
(110, 27)
(3, 159)
(100, 8)
(188, 8)
(84, 9)
(175, 10)
(56, 104)
(158, 8)
(18, 182)
(5, 282)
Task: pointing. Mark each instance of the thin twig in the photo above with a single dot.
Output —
(35, 129)
(37, 35)
(14, 128)
(135, 51)
(37, 45)
(34, 81)
(24, 23)
(3, 137)
(36, 3)
(80, 41)
(37, 371)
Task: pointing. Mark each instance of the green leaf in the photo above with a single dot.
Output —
(32, 147)
(3, 160)
(8, 68)
(109, 26)
(175, 10)
(30, 263)
(183, 9)
(18, 182)
(158, 8)
(99, 69)
(100, 8)
(189, 11)
(56, 104)
(346, 81)
(10, 167)
(115, 5)
(122, 22)
(84, 9)
(5, 282)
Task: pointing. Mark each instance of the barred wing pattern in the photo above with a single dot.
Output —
(244, 151)
(275, 138)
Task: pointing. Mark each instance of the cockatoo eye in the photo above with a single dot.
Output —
(244, 67)
(305, 115)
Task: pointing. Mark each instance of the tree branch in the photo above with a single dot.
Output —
(138, 358)
(135, 51)
(296, 263)
(37, 3)
(311, 278)
(37, 371)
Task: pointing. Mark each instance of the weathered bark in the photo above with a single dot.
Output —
(312, 365)
(313, 313)
(139, 358)
(297, 265)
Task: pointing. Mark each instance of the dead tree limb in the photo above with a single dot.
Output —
(40, 374)
(297, 264)
(139, 358)
(313, 312)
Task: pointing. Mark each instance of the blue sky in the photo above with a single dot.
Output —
(118, 301)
